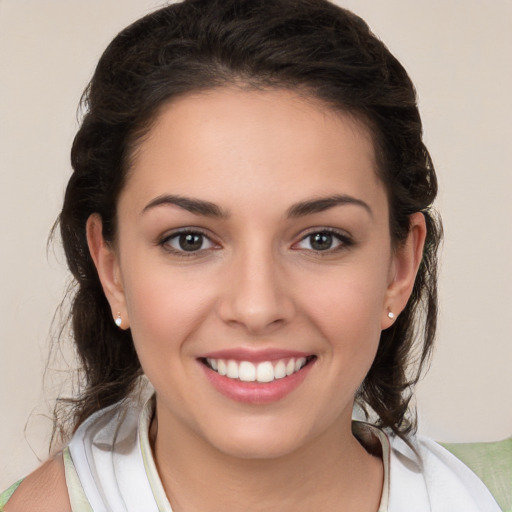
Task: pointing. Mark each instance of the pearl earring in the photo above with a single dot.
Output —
(391, 315)
(118, 320)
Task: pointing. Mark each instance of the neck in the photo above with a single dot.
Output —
(333, 472)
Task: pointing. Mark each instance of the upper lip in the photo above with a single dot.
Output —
(255, 355)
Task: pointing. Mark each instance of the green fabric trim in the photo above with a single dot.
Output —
(6, 495)
(77, 498)
(492, 463)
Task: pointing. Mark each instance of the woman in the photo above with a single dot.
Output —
(249, 226)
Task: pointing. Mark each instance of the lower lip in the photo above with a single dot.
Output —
(256, 392)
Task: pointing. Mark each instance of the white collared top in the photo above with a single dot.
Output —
(110, 468)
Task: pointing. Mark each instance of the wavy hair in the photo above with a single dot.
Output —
(310, 46)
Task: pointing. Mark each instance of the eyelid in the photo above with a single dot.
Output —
(163, 241)
(345, 239)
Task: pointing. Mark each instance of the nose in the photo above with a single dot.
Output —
(255, 293)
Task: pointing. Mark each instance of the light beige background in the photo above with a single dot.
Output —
(458, 54)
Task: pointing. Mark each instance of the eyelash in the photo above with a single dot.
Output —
(164, 242)
(345, 242)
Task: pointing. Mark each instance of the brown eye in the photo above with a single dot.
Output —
(321, 241)
(324, 240)
(188, 241)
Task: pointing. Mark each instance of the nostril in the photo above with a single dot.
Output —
(254, 295)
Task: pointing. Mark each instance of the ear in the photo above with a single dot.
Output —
(406, 261)
(107, 265)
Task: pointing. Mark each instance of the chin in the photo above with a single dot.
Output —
(263, 437)
(259, 446)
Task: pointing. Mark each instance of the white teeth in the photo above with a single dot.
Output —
(280, 370)
(301, 361)
(221, 367)
(232, 372)
(266, 371)
(247, 371)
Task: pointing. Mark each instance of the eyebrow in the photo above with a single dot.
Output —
(325, 203)
(301, 209)
(196, 206)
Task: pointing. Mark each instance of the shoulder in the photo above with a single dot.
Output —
(424, 470)
(492, 462)
(43, 490)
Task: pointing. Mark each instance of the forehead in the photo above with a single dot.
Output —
(220, 143)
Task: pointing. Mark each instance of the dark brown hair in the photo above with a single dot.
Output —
(310, 46)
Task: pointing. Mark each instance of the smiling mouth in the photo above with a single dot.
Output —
(262, 372)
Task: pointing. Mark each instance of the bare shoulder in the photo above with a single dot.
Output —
(43, 490)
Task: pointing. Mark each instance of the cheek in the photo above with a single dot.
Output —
(347, 308)
(165, 306)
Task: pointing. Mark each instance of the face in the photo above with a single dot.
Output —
(254, 268)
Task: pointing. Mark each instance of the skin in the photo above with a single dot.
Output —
(44, 490)
(257, 282)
